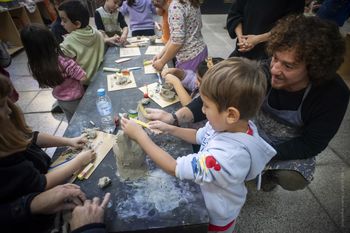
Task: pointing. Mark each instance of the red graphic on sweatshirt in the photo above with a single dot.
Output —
(211, 162)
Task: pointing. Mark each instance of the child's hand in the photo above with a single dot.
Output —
(78, 142)
(166, 71)
(131, 128)
(158, 114)
(160, 126)
(158, 64)
(122, 39)
(155, 58)
(172, 79)
(86, 156)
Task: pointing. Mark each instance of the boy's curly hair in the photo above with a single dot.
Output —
(317, 42)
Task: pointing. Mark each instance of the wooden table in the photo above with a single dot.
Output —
(158, 202)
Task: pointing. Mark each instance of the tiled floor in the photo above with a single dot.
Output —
(324, 206)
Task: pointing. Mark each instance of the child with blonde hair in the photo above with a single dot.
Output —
(23, 164)
(231, 149)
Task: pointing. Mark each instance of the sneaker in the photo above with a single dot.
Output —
(267, 183)
(56, 108)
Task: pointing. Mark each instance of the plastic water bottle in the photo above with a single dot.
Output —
(104, 107)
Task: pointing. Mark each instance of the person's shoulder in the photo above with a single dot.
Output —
(335, 87)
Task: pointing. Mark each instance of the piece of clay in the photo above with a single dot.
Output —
(130, 158)
(121, 79)
(91, 133)
(168, 86)
(167, 95)
(104, 182)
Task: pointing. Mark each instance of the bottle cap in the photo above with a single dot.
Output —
(101, 92)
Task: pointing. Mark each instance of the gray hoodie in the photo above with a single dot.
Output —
(224, 162)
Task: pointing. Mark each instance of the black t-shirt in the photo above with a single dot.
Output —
(23, 172)
(322, 113)
(100, 26)
(258, 17)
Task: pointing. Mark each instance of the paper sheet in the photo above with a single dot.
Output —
(149, 69)
(154, 49)
(159, 41)
(154, 95)
(102, 144)
(113, 86)
(129, 52)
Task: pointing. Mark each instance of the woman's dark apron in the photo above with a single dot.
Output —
(278, 126)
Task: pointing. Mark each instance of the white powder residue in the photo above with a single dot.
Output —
(158, 192)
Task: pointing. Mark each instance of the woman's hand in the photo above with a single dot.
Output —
(90, 212)
(158, 64)
(78, 142)
(160, 126)
(132, 129)
(60, 197)
(86, 156)
(158, 114)
(250, 41)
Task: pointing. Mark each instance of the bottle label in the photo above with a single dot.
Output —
(104, 108)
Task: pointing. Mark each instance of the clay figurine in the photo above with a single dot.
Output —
(130, 158)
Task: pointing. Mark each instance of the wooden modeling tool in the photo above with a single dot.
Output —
(159, 78)
(143, 124)
(86, 170)
(122, 60)
(108, 69)
(157, 25)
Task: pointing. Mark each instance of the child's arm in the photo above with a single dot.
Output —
(184, 115)
(179, 73)
(160, 55)
(186, 134)
(45, 140)
(98, 21)
(159, 11)
(169, 54)
(124, 35)
(83, 79)
(184, 97)
(159, 156)
(124, 26)
(60, 174)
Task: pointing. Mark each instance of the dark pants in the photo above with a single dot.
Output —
(288, 179)
(146, 32)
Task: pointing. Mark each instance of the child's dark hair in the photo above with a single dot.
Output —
(236, 82)
(203, 67)
(130, 2)
(42, 51)
(75, 11)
